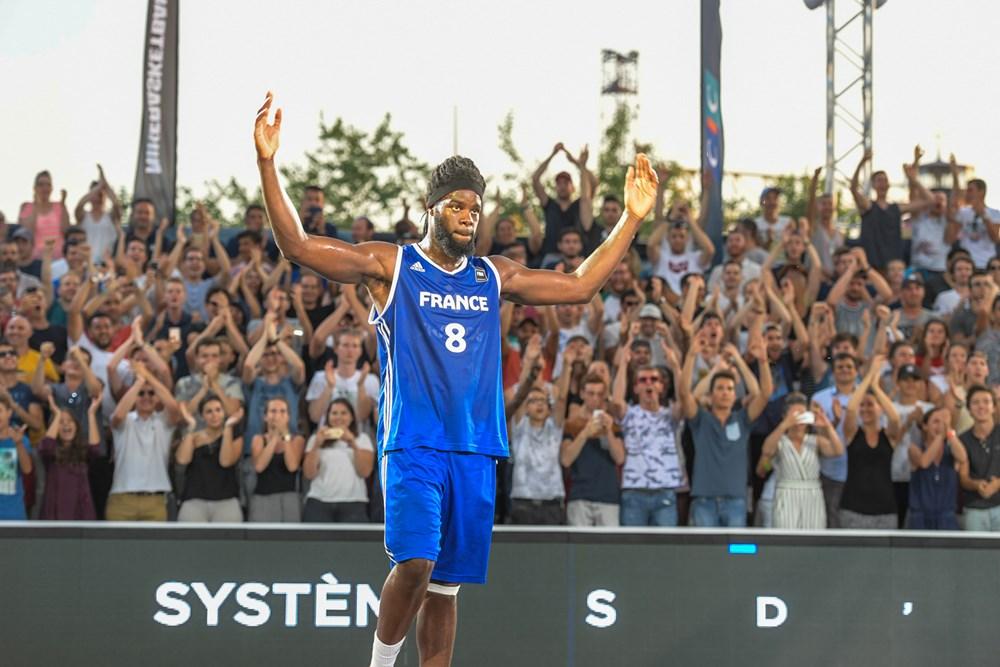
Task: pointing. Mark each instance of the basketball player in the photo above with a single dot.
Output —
(441, 422)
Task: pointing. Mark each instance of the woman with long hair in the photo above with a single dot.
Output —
(869, 498)
(15, 463)
(932, 348)
(66, 451)
(277, 456)
(798, 499)
(338, 460)
(210, 493)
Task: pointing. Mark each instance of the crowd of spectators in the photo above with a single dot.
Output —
(789, 377)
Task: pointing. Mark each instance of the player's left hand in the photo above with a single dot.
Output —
(640, 187)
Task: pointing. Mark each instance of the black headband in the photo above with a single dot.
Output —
(459, 183)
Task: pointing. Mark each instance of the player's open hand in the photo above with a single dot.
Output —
(265, 134)
(640, 187)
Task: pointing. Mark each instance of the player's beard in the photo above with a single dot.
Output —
(447, 242)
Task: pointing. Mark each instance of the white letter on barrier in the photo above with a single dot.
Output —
(291, 593)
(165, 598)
(765, 621)
(212, 602)
(599, 602)
(249, 597)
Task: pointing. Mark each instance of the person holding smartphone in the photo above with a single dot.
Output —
(798, 499)
(338, 461)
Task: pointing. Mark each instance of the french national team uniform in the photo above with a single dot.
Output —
(441, 423)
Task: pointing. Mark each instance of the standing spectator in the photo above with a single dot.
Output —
(42, 218)
(210, 493)
(193, 269)
(912, 314)
(976, 225)
(911, 409)
(338, 460)
(670, 255)
(934, 458)
(99, 224)
(311, 212)
(142, 449)
(535, 434)
(66, 451)
(18, 333)
(949, 301)
(343, 379)
(881, 220)
(798, 498)
(972, 314)
(932, 237)
(833, 400)
(721, 435)
(868, 500)
(979, 473)
(33, 307)
(26, 409)
(849, 297)
(277, 455)
(15, 462)
(821, 213)
(592, 451)
(209, 379)
(770, 223)
(562, 211)
(142, 226)
(272, 369)
(653, 471)
(736, 251)
(570, 255)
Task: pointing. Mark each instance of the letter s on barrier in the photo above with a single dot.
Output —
(165, 597)
(763, 603)
(249, 597)
(602, 615)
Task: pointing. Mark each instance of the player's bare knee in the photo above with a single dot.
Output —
(416, 571)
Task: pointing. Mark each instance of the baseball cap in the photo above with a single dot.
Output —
(913, 278)
(564, 174)
(768, 190)
(910, 372)
(650, 310)
(22, 233)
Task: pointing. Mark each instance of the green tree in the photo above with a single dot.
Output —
(610, 170)
(360, 173)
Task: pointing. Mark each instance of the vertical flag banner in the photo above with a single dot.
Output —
(712, 144)
(156, 171)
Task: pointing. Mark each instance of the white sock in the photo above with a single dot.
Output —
(384, 655)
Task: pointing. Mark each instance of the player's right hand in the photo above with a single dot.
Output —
(265, 134)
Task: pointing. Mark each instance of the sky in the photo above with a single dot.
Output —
(72, 72)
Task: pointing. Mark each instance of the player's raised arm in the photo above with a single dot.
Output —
(333, 259)
(540, 287)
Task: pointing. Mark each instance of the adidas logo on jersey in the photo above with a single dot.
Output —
(417, 266)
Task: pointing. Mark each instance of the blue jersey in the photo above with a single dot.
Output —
(439, 347)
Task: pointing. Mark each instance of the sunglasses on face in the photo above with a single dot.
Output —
(8, 353)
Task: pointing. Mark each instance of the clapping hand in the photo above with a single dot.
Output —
(640, 188)
(235, 418)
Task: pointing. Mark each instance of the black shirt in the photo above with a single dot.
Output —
(880, 234)
(594, 473)
(276, 477)
(984, 463)
(206, 479)
(55, 334)
(556, 220)
(869, 489)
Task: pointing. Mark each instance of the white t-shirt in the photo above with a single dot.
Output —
(142, 451)
(768, 234)
(946, 302)
(974, 236)
(101, 234)
(344, 388)
(535, 455)
(337, 480)
(673, 267)
(928, 248)
(750, 270)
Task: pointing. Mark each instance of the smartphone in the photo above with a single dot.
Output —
(806, 418)
(174, 334)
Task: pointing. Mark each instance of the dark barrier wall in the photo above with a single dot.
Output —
(95, 594)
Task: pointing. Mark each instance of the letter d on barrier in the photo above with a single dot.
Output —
(764, 602)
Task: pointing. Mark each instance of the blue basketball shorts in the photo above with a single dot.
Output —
(439, 506)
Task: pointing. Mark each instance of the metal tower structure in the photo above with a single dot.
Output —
(848, 85)
(619, 93)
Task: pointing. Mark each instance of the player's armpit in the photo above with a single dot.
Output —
(344, 262)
